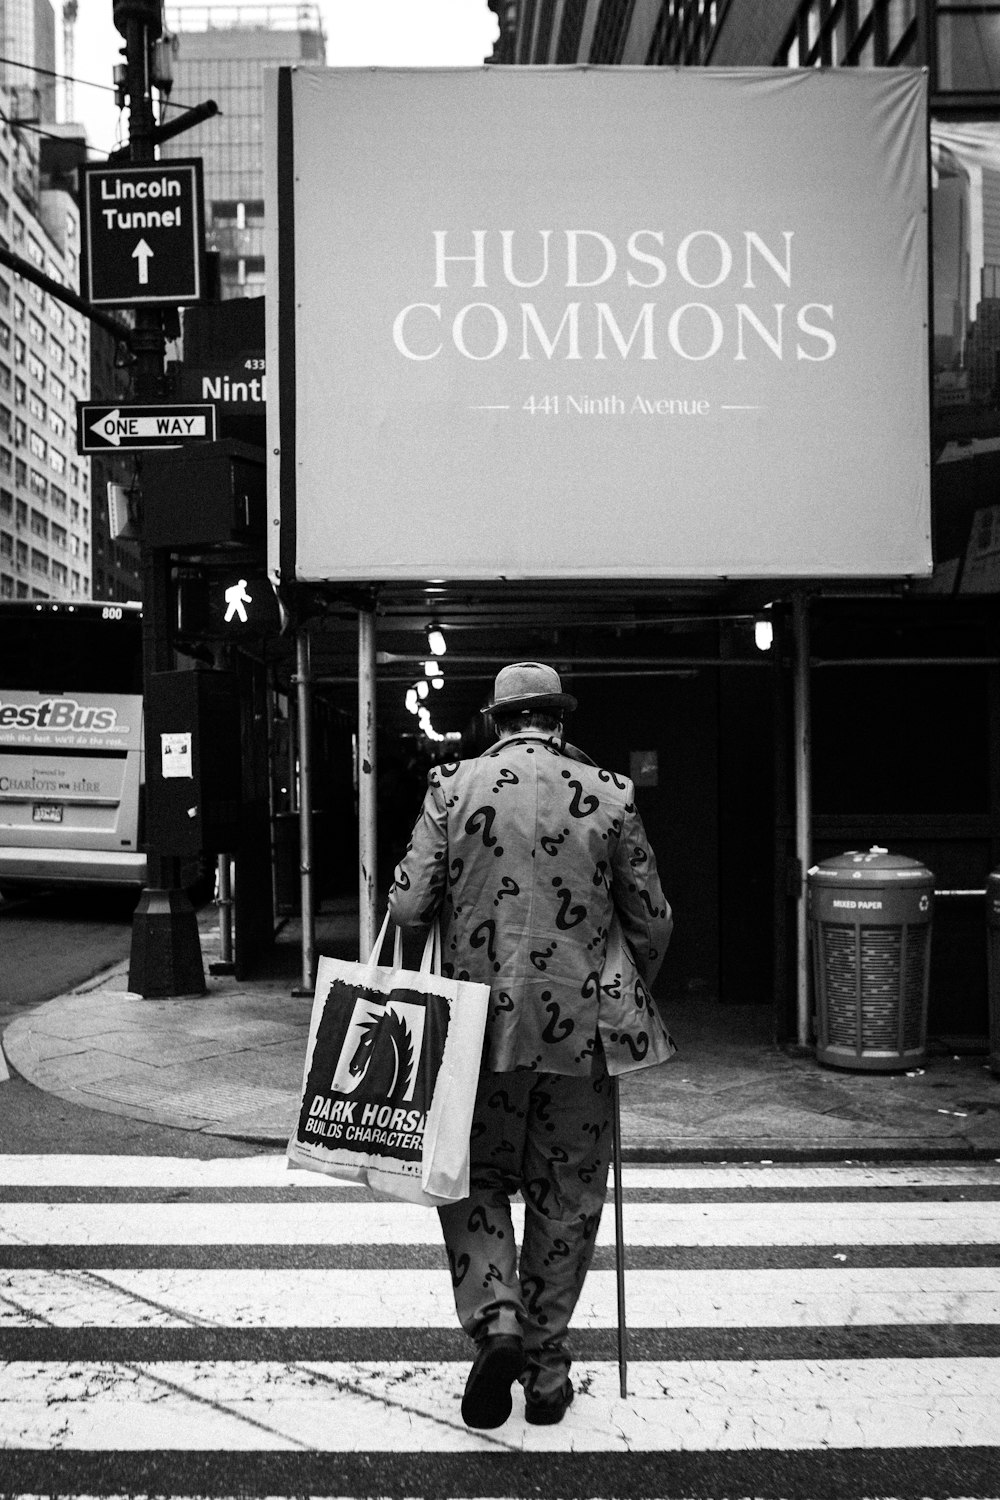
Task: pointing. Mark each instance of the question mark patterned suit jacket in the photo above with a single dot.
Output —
(538, 867)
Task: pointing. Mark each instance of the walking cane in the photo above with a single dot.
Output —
(619, 1239)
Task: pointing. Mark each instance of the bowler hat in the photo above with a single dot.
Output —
(528, 685)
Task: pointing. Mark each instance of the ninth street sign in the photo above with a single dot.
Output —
(143, 232)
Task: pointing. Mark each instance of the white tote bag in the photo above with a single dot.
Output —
(390, 1075)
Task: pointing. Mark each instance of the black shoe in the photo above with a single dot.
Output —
(487, 1401)
(547, 1412)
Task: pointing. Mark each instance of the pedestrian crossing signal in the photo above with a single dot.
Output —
(226, 603)
(237, 600)
(243, 603)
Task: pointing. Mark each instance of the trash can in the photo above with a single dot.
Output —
(870, 922)
(993, 966)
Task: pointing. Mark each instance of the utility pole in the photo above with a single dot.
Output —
(166, 950)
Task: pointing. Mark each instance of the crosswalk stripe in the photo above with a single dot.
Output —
(422, 1346)
(798, 1330)
(272, 1171)
(389, 1258)
(695, 1405)
(111, 1298)
(706, 1223)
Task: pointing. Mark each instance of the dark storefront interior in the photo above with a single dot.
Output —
(673, 691)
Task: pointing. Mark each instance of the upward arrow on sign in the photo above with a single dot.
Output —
(143, 254)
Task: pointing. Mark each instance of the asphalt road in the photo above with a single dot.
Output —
(49, 944)
(52, 942)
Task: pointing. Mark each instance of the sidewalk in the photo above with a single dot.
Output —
(230, 1064)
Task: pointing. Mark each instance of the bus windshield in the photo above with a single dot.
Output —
(71, 747)
(82, 648)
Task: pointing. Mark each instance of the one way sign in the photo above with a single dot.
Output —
(129, 426)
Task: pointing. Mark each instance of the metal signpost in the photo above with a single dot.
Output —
(143, 233)
(130, 426)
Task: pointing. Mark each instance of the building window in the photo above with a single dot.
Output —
(570, 31)
(968, 47)
(851, 33)
(527, 30)
(610, 31)
(683, 33)
(544, 39)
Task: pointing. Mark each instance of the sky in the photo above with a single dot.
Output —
(360, 33)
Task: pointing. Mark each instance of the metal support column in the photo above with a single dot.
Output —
(304, 701)
(802, 730)
(165, 957)
(224, 903)
(367, 769)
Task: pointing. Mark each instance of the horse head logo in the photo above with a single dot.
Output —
(382, 1046)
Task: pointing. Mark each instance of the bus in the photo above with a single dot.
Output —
(71, 748)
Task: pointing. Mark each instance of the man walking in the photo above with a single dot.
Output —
(527, 855)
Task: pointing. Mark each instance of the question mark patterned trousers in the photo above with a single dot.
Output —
(548, 1135)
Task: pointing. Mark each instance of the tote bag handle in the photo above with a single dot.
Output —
(397, 946)
(430, 962)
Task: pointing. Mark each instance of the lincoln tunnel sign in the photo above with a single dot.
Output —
(143, 231)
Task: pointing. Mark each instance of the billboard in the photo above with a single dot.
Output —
(585, 322)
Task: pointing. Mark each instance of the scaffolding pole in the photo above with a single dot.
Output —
(304, 702)
(803, 809)
(367, 782)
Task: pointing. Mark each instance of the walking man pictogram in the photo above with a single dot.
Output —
(236, 598)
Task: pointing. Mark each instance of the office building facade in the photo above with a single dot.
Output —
(28, 40)
(221, 53)
(45, 494)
